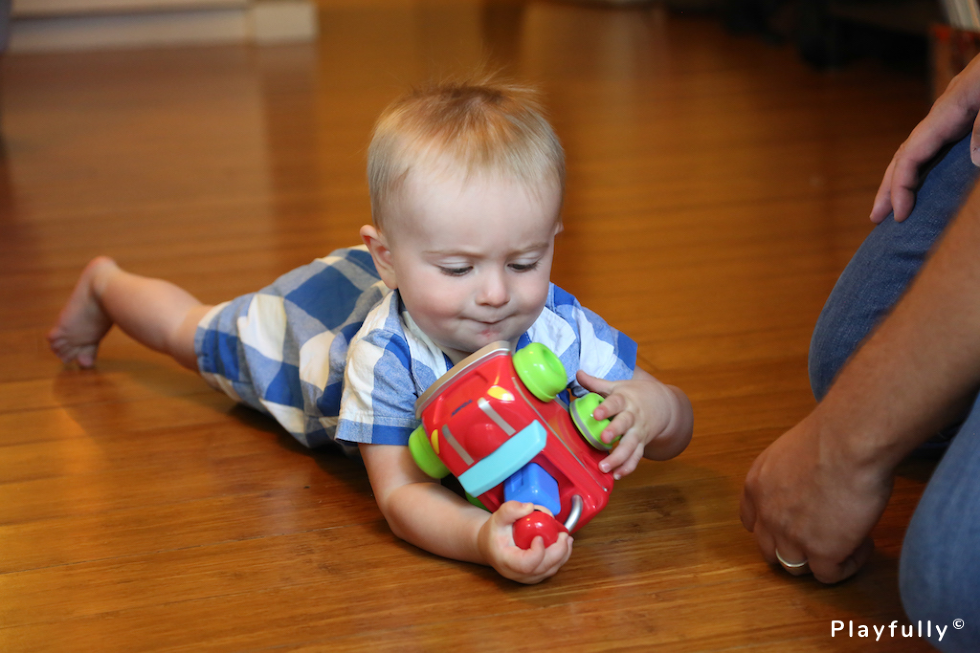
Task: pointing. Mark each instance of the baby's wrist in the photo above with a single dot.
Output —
(484, 541)
(676, 434)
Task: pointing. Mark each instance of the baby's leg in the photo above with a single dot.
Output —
(153, 312)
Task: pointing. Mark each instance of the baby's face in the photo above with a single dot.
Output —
(472, 257)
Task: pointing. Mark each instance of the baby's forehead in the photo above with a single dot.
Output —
(421, 178)
(426, 196)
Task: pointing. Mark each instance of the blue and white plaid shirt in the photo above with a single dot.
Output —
(284, 351)
(391, 362)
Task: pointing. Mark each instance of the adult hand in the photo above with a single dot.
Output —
(952, 116)
(805, 497)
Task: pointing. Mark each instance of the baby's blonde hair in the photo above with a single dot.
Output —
(474, 127)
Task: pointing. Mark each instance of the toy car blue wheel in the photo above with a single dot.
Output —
(425, 457)
(540, 371)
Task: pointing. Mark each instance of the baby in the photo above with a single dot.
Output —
(466, 188)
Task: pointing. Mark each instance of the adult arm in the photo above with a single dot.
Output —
(952, 115)
(817, 491)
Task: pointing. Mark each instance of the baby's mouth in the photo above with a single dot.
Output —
(491, 323)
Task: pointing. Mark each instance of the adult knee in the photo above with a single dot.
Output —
(885, 263)
(940, 570)
(842, 325)
(938, 587)
(825, 358)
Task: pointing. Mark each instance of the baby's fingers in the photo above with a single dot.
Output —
(555, 557)
(616, 458)
(623, 459)
(594, 383)
(538, 562)
(558, 553)
(621, 425)
(524, 566)
(611, 406)
(629, 466)
(510, 511)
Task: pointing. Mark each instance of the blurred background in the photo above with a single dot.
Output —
(722, 160)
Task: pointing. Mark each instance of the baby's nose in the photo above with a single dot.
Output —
(494, 291)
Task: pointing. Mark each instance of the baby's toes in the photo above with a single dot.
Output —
(85, 356)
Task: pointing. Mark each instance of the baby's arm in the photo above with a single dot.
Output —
(655, 420)
(421, 511)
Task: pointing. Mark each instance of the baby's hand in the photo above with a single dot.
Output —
(496, 543)
(654, 420)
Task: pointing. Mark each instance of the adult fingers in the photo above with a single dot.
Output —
(975, 142)
(925, 141)
(883, 199)
(858, 559)
(905, 180)
(830, 571)
(791, 557)
(746, 510)
(764, 540)
(786, 554)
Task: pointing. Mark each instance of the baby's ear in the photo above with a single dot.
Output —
(377, 244)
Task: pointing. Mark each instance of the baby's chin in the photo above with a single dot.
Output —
(459, 351)
(470, 340)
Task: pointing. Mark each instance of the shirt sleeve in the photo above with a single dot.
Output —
(378, 404)
(598, 349)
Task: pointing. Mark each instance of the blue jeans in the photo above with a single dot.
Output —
(940, 566)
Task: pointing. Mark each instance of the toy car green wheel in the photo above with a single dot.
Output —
(590, 428)
(425, 457)
(540, 371)
(476, 502)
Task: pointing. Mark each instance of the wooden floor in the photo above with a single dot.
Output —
(716, 188)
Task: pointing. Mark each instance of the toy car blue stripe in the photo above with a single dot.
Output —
(507, 459)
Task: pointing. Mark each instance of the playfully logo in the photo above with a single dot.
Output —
(925, 629)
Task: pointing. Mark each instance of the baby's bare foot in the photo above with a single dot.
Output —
(82, 323)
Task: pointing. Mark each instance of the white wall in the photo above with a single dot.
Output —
(45, 25)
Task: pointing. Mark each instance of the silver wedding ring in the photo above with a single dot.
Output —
(791, 566)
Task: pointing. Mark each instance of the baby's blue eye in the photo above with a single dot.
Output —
(454, 272)
(524, 267)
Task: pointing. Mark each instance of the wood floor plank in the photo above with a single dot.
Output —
(716, 187)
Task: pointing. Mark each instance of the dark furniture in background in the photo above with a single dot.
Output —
(4, 23)
(829, 33)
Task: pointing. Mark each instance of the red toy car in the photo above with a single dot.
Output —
(494, 422)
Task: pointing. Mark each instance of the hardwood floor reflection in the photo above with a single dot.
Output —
(716, 188)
